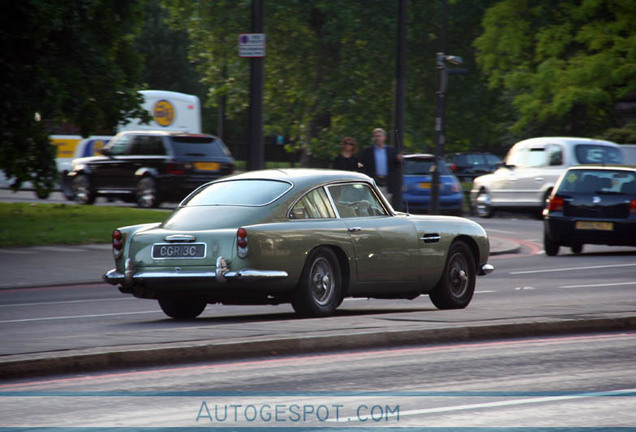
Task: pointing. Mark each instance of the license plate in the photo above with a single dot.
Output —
(597, 226)
(178, 250)
(207, 166)
(425, 185)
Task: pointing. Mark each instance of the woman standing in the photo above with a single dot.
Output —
(347, 159)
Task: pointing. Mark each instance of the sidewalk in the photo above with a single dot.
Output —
(37, 266)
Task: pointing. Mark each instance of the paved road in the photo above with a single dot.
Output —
(583, 381)
(83, 326)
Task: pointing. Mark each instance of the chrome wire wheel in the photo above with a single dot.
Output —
(322, 281)
(319, 290)
(457, 285)
(458, 275)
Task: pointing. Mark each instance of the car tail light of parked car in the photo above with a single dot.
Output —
(632, 207)
(555, 204)
(241, 242)
(117, 244)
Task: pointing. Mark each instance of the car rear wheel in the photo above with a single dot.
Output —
(146, 193)
(182, 308)
(319, 290)
(576, 248)
(457, 285)
(81, 189)
(483, 203)
(550, 246)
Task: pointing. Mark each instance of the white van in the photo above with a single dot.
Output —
(531, 169)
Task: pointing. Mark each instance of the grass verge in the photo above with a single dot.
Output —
(26, 224)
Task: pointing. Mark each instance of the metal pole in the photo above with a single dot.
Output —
(400, 91)
(257, 77)
(439, 118)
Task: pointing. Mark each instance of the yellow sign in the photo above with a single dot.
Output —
(163, 113)
(65, 146)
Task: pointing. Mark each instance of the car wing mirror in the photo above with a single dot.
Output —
(106, 152)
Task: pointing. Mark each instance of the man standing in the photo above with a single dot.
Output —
(382, 163)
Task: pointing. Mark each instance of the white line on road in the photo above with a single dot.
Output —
(571, 269)
(76, 317)
(63, 302)
(599, 285)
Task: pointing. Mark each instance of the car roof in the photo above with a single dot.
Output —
(419, 156)
(563, 140)
(603, 167)
(302, 177)
(166, 133)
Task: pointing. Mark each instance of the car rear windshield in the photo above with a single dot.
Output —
(597, 154)
(239, 193)
(599, 182)
(199, 146)
(414, 166)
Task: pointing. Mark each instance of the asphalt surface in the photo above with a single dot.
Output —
(44, 266)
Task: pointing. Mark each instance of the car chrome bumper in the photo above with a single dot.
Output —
(486, 269)
(222, 274)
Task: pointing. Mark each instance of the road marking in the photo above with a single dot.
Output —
(514, 402)
(570, 269)
(599, 285)
(76, 317)
(63, 302)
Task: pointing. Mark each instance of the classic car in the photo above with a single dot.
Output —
(591, 204)
(304, 236)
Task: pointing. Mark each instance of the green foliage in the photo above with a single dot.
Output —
(63, 62)
(23, 224)
(565, 63)
(330, 68)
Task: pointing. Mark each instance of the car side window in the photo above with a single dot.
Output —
(314, 205)
(356, 200)
(148, 146)
(120, 146)
(555, 155)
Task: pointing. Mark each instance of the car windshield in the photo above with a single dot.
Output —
(199, 146)
(415, 166)
(597, 154)
(239, 193)
(599, 182)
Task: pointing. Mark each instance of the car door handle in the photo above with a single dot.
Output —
(431, 238)
(354, 229)
(539, 179)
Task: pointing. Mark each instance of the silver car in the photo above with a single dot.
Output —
(531, 169)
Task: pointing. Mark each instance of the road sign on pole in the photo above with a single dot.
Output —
(252, 45)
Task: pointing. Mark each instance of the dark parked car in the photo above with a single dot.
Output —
(150, 167)
(418, 182)
(591, 204)
(467, 166)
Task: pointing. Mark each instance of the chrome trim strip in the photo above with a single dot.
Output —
(180, 238)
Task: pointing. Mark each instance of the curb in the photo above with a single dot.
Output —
(94, 359)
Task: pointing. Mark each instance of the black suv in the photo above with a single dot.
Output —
(150, 167)
(467, 166)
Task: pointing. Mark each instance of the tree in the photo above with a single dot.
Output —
(64, 62)
(564, 63)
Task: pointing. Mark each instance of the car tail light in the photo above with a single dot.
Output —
(176, 168)
(555, 204)
(241, 242)
(118, 245)
(632, 207)
(453, 167)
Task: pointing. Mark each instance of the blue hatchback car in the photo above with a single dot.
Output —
(418, 181)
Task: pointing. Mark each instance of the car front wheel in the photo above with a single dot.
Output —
(319, 290)
(483, 207)
(81, 189)
(457, 285)
(146, 193)
(182, 308)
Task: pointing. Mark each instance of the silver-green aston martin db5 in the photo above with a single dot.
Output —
(308, 237)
